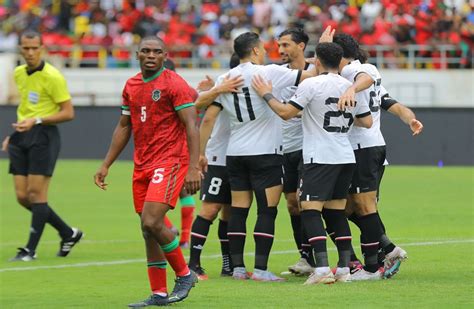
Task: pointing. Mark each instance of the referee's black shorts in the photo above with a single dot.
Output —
(34, 152)
(292, 166)
(369, 169)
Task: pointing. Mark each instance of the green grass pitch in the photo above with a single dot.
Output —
(429, 211)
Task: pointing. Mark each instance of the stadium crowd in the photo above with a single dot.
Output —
(208, 27)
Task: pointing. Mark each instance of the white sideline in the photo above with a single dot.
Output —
(118, 262)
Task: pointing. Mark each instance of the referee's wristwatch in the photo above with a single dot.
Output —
(38, 120)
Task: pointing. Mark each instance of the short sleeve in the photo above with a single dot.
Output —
(58, 89)
(362, 108)
(125, 101)
(303, 95)
(281, 76)
(180, 94)
(373, 72)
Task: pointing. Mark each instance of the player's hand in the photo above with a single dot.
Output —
(99, 177)
(261, 86)
(203, 163)
(327, 35)
(347, 99)
(192, 181)
(205, 84)
(231, 84)
(24, 125)
(5, 144)
(416, 126)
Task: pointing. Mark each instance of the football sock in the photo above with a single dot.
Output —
(157, 277)
(371, 233)
(338, 222)
(385, 243)
(199, 234)
(297, 231)
(175, 257)
(313, 226)
(263, 235)
(187, 211)
(63, 229)
(306, 250)
(236, 232)
(224, 240)
(40, 213)
(381, 223)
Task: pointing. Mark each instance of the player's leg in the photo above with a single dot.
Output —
(266, 178)
(199, 233)
(241, 196)
(224, 241)
(187, 211)
(162, 195)
(156, 269)
(291, 165)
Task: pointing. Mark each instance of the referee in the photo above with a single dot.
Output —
(34, 146)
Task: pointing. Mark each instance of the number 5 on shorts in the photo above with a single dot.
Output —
(158, 175)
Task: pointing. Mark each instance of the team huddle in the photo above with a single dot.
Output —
(309, 128)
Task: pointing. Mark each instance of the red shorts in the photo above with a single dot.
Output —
(161, 184)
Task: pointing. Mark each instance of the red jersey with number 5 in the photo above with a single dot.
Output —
(152, 103)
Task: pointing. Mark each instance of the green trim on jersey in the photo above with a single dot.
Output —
(171, 246)
(186, 105)
(149, 79)
(158, 264)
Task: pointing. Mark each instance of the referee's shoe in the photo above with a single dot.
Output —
(66, 245)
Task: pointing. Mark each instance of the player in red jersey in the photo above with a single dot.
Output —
(158, 110)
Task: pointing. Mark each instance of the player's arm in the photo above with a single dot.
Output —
(403, 112)
(120, 138)
(362, 81)
(364, 120)
(193, 178)
(264, 89)
(205, 131)
(66, 113)
(227, 85)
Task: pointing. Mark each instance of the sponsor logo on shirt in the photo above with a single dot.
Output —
(33, 97)
(156, 95)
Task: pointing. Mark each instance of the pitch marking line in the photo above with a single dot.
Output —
(121, 262)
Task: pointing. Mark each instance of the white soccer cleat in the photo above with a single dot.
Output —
(302, 267)
(326, 277)
(265, 275)
(240, 273)
(343, 274)
(393, 260)
(363, 275)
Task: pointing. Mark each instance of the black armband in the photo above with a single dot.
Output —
(386, 102)
(268, 96)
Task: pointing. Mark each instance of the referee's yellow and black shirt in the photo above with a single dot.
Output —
(42, 90)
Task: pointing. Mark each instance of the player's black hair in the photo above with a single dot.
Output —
(244, 44)
(348, 43)
(30, 34)
(297, 35)
(234, 61)
(152, 38)
(329, 54)
(362, 55)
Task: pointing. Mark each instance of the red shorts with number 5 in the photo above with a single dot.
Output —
(161, 184)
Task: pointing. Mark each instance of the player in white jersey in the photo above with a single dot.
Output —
(215, 189)
(292, 43)
(254, 161)
(327, 154)
(369, 148)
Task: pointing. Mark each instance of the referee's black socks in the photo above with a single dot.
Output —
(40, 213)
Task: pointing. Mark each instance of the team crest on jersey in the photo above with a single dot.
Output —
(156, 95)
